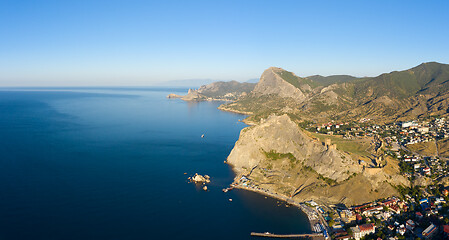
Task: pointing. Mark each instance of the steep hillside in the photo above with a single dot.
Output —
(276, 155)
(226, 89)
(427, 78)
(278, 91)
(408, 94)
(419, 91)
(276, 81)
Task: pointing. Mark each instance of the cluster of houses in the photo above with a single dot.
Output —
(332, 127)
(426, 218)
(395, 135)
(356, 215)
(413, 132)
(393, 216)
(410, 217)
(404, 132)
(430, 209)
(424, 166)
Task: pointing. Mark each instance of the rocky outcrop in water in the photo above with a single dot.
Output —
(172, 95)
(197, 178)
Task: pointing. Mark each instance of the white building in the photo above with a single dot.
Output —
(407, 124)
(363, 230)
(423, 129)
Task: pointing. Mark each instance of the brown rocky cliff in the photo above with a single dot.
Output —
(315, 172)
(282, 135)
(272, 83)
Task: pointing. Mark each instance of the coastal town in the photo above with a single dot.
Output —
(416, 144)
(420, 211)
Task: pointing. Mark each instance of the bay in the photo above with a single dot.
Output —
(109, 163)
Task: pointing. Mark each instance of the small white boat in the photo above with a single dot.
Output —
(202, 136)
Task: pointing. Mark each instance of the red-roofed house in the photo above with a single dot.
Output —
(419, 215)
(372, 210)
(389, 202)
(410, 225)
(445, 192)
(362, 230)
(395, 209)
(358, 217)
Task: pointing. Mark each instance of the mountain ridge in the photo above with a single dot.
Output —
(332, 79)
(406, 94)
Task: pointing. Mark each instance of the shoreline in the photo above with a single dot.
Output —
(312, 216)
(183, 98)
(249, 123)
(234, 111)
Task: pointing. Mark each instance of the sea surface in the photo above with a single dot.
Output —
(113, 163)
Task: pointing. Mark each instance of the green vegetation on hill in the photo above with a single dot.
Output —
(329, 80)
(261, 106)
(297, 81)
(351, 167)
(273, 155)
(430, 78)
(396, 84)
(400, 95)
(345, 145)
(220, 89)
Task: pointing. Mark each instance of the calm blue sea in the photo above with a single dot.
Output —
(109, 163)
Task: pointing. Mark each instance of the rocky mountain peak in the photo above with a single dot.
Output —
(272, 82)
(275, 69)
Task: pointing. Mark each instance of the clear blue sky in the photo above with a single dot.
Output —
(129, 42)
